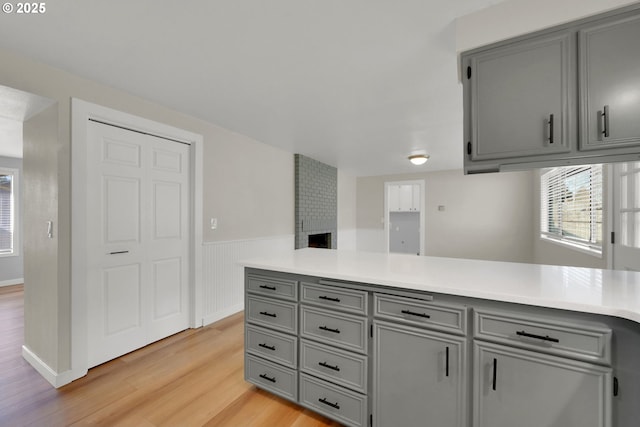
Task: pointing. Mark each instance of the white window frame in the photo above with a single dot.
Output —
(15, 192)
(580, 245)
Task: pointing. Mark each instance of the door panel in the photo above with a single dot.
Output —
(167, 280)
(137, 239)
(626, 201)
(527, 389)
(167, 212)
(122, 209)
(122, 300)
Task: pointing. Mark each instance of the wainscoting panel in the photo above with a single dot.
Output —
(223, 277)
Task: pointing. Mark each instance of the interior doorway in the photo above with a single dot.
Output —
(404, 206)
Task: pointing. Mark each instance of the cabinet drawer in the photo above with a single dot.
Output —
(551, 335)
(341, 367)
(272, 286)
(275, 314)
(419, 312)
(275, 378)
(274, 346)
(342, 330)
(331, 296)
(342, 405)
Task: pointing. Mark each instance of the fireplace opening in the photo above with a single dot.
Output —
(322, 240)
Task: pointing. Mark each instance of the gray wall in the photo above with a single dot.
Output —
(12, 267)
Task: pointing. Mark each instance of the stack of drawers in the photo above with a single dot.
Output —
(333, 352)
(271, 342)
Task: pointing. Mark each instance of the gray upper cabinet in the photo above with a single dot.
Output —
(519, 98)
(568, 95)
(610, 83)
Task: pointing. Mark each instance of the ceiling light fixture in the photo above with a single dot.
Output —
(418, 159)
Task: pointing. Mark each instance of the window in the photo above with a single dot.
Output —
(8, 187)
(571, 206)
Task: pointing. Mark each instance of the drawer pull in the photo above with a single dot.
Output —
(495, 374)
(324, 328)
(413, 313)
(540, 337)
(446, 367)
(326, 402)
(326, 365)
(271, 288)
(268, 378)
(329, 298)
(266, 313)
(268, 347)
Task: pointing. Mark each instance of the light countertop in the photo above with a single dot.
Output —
(608, 292)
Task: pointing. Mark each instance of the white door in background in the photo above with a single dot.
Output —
(404, 217)
(137, 240)
(626, 214)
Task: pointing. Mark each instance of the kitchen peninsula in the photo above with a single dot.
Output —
(385, 339)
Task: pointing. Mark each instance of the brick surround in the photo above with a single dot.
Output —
(316, 200)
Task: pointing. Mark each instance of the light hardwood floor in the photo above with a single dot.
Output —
(194, 378)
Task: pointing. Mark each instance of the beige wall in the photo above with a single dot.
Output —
(486, 216)
(248, 186)
(347, 185)
(46, 313)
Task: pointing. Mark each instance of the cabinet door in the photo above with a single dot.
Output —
(419, 377)
(610, 84)
(406, 198)
(394, 198)
(415, 189)
(521, 98)
(527, 389)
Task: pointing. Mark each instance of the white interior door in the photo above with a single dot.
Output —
(137, 240)
(404, 217)
(626, 186)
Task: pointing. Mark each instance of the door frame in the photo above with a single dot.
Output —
(387, 184)
(81, 112)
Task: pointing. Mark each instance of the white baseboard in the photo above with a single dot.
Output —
(12, 282)
(55, 379)
(214, 317)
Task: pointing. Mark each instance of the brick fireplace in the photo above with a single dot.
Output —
(316, 203)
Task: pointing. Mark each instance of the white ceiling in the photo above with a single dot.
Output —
(358, 84)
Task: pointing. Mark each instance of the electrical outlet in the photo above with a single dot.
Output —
(214, 223)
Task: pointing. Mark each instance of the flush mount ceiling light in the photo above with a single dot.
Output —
(418, 159)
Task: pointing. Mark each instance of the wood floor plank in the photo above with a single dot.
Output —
(193, 378)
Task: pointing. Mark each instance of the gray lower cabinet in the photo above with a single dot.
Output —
(271, 334)
(515, 387)
(365, 355)
(419, 377)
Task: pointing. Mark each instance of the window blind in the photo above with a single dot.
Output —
(571, 205)
(6, 213)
